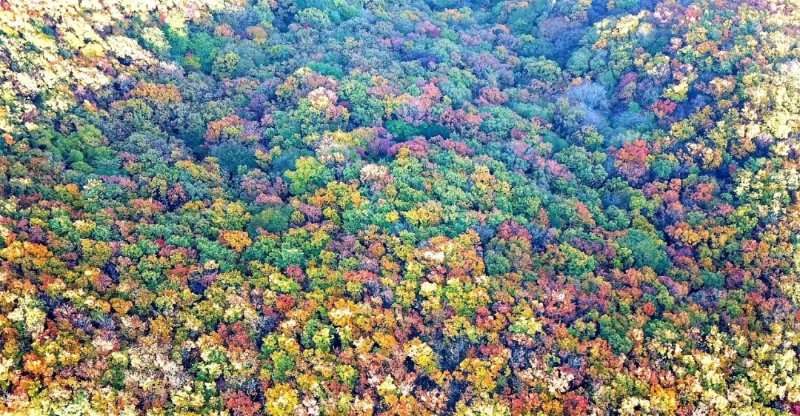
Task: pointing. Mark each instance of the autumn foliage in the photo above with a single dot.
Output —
(406, 207)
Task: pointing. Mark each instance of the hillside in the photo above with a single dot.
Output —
(374, 207)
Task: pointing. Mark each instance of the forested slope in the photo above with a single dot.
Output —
(353, 207)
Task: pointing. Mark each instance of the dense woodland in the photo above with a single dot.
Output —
(399, 207)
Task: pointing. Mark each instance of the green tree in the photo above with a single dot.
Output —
(308, 174)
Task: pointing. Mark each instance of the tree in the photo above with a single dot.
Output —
(308, 174)
(542, 69)
(231, 155)
(224, 65)
(647, 250)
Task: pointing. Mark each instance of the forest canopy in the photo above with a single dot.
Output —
(411, 207)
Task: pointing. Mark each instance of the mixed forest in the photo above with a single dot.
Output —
(400, 207)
